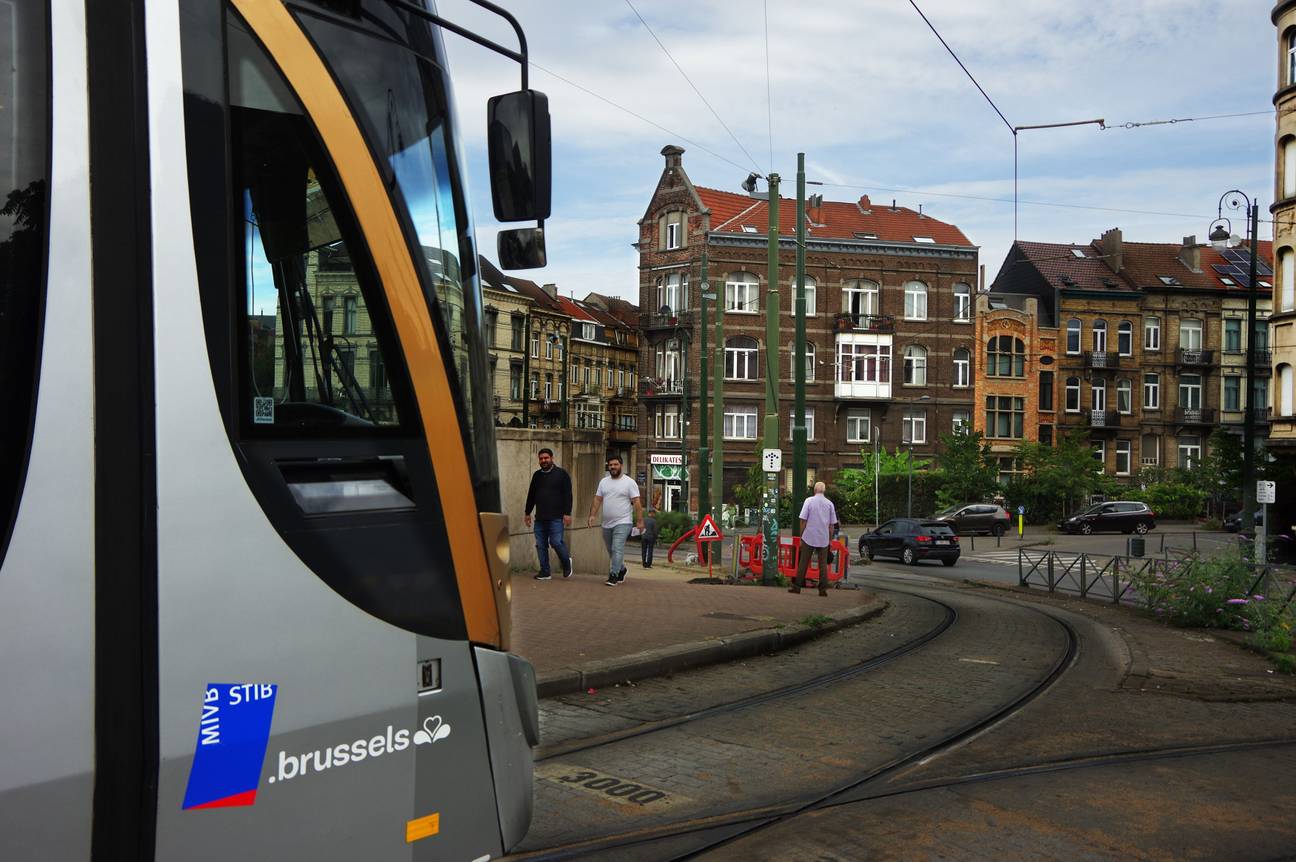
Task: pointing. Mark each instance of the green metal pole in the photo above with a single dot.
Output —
(771, 440)
(526, 372)
(799, 356)
(704, 418)
(717, 399)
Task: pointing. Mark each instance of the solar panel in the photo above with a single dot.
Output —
(1242, 258)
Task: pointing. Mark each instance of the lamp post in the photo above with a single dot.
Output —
(1220, 236)
(770, 560)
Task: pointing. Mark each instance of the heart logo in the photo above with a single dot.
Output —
(434, 730)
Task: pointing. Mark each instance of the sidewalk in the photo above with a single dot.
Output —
(580, 633)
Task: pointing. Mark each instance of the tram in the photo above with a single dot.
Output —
(254, 586)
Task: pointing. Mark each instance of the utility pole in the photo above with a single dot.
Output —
(717, 399)
(770, 556)
(799, 354)
(1249, 418)
(704, 418)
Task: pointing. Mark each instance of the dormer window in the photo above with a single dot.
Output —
(924, 239)
(749, 228)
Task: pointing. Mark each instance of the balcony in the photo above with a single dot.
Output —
(1194, 416)
(551, 406)
(624, 435)
(865, 323)
(1101, 359)
(661, 388)
(862, 390)
(622, 393)
(1197, 358)
(1261, 415)
(1103, 420)
(667, 321)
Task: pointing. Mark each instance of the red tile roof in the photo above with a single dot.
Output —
(834, 220)
(1058, 263)
(1142, 265)
(577, 310)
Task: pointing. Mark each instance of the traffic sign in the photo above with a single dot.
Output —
(772, 460)
(1021, 510)
(708, 531)
(1266, 491)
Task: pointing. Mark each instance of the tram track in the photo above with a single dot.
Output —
(563, 749)
(706, 834)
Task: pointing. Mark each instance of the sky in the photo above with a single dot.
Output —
(879, 107)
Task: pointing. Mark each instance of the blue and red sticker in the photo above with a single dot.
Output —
(233, 734)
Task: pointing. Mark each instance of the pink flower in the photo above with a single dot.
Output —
(1236, 602)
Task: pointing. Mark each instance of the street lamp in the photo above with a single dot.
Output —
(1221, 235)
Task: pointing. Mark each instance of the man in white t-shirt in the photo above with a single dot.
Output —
(617, 498)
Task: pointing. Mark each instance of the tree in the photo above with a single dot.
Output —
(966, 473)
(1220, 472)
(1057, 478)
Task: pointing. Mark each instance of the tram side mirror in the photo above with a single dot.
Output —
(518, 143)
(521, 248)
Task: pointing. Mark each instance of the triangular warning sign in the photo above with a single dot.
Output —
(708, 531)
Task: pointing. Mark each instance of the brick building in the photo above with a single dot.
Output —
(1149, 340)
(889, 325)
(505, 313)
(601, 376)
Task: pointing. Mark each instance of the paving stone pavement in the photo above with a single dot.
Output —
(805, 743)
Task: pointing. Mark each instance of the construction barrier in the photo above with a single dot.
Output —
(750, 549)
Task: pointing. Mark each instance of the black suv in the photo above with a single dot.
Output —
(1118, 517)
(911, 540)
(978, 518)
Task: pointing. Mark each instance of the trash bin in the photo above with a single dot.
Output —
(1137, 546)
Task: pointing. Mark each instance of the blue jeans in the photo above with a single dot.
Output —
(551, 533)
(615, 539)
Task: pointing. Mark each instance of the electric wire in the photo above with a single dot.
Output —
(971, 77)
(1132, 125)
(689, 80)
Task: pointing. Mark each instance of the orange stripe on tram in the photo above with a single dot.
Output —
(314, 86)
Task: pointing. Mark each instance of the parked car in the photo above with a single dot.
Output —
(1233, 523)
(910, 540)
(985, 518)
(1115, 517)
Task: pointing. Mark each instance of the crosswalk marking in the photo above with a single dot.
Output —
(1008, 557)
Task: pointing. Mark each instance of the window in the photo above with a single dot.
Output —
(1125, 396)
(809, 361)
(1125, 338)
(672, 293)
(962, 420)
(1289, 167)
(548, 347)
(515, 382)
(962, 302)
(1189, 452)
(666, 422)
(1073, 395)
(350, 315)
(740, 292)
(1100, 455)
(588, 331)
(1046, 435)
(671, 231)
(518, 323)
(859, 426)
(1286, 393)
(548, 387)
(492, 321)
(1233, 335)
(1098, 393)
(1190, 334)
(1232, 393)
(535, 345)
(809, 421)
(1291, 57)
(740, 358)
(863, 363)
(1122, 457)
(575, 373)
(1046, 390)
(1150, 450)
(1100, 336)
(915, 365)
(1287, 274)
(1259, 394)
(1262, 334)
(1005, 417)
(1190, 391)
(668, 361)
(962, 367)
(915, 293)
(1005, 356)
(811, 290)
(535, 386)
(672, 235)
(740, 423)
(1151, 391)
(1073, 336)
(860, 301)
(1009, 467)
(1151, 333)
(914, 426)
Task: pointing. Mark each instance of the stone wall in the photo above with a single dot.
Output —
(581, 454)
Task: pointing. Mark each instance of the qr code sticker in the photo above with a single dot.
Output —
(262, 410)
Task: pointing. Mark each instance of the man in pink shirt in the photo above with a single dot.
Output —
(818, 522)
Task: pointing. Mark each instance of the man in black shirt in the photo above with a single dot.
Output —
(550, 495)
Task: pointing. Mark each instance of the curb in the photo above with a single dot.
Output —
(663, 660)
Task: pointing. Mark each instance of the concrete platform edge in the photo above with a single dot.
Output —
(669, 659)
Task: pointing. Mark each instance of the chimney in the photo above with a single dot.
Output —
(551, 289)
(672, 154)
(1190, 254)
(864, 202)
(1111, 248)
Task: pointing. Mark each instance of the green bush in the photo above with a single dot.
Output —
(1172, 498)
(672, 525)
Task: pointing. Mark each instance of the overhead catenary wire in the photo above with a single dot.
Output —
(689, 80)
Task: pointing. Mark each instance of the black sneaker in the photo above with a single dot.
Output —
(621, 575)
(543, 576)
(613, 580)
(567, 572)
